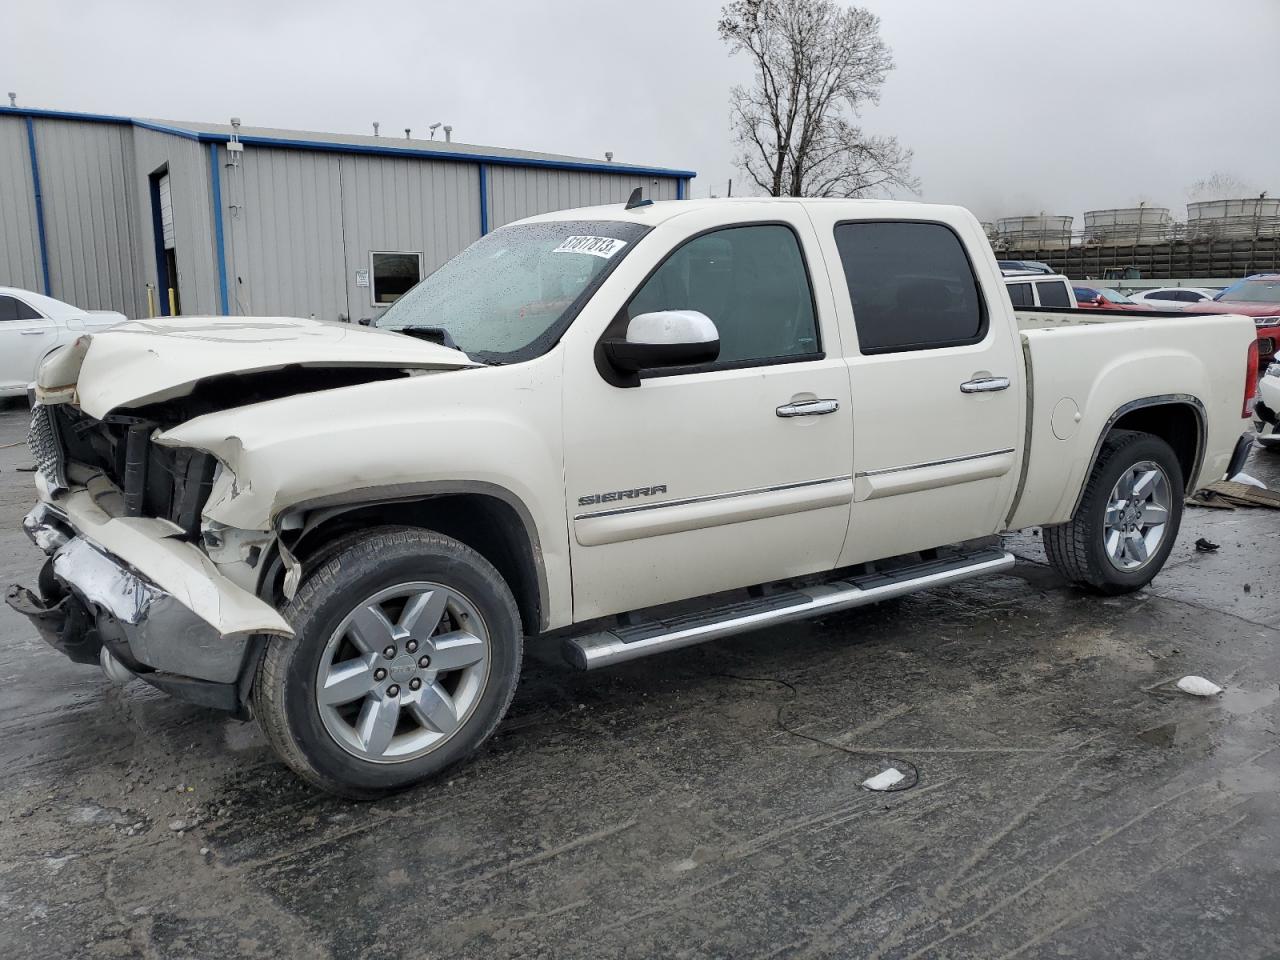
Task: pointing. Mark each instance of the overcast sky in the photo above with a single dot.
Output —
(1011, 107)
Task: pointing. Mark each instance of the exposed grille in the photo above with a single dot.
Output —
(171, 483)
(46, 447)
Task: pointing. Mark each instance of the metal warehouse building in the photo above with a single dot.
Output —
(112, 212)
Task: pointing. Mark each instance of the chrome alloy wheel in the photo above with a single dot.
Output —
(1137, 516)
(403, 672)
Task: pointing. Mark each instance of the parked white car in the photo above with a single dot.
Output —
(1173, 298)
(1043, 290)
(757, 410)
(32, 326)
(1266, 412)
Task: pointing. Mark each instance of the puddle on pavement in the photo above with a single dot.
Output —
(1237, 701)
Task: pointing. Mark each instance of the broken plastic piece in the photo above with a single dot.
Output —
(1199, 687)
(1204, 545)
(884, 780)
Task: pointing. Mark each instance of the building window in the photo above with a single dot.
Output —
(393, 275)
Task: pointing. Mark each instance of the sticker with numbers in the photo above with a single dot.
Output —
(604, 247)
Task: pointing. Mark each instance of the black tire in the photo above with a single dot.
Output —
(284, 693)
(1077, 548)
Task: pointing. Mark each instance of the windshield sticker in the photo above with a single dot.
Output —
(604, 247)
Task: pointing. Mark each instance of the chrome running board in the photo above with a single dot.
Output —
(609, 647)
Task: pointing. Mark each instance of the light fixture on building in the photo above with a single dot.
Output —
(608, 155)
(433, 128)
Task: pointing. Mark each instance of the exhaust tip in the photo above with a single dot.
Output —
(116, 671)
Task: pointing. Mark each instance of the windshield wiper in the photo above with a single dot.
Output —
(431, 334)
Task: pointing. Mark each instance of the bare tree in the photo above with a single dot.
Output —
(816, 65)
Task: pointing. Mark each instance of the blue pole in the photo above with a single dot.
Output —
(35, 183)
(680, 188)
(215, 176)
(484, 199)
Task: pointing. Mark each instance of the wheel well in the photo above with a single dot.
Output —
(1177, 424)
(486, 524)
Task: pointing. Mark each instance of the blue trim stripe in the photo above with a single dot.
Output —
(325, 146)
(172, 131)
(215, 178)
(484, 199)
(35, 185)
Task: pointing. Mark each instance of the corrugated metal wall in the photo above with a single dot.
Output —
(516, 192)
(412, 206)
(19, 243)
(86, 178)
(298, 224)
(188, 165)
(283, 223)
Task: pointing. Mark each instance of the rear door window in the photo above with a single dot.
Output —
(912, 286)
(1053, 294)
(1020, 294)
(11, 308)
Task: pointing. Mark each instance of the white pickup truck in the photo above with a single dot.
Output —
(637, 428)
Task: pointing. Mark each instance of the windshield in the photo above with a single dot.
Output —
(1252, 291)
(1114, 296)
(511, 294)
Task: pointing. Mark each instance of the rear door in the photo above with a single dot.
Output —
(936, 377)
(25, 337)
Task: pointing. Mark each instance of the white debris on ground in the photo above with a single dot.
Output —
(884, 780)
(1199, 687)
(1248, 480)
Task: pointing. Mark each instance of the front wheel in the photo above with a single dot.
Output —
(1127, 520)
(405, 657)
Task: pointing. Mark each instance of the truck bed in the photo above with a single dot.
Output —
(1084, 366)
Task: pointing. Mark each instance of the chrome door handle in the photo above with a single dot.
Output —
(808, 408)
(985, 385)
(32, 333)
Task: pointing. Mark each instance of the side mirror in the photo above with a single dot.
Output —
(667, 338)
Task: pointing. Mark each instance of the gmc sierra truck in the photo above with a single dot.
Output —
(634, 427)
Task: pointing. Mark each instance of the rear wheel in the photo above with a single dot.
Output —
(406, 655)
(1128, 518)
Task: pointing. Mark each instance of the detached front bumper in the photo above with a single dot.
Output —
(96, 607)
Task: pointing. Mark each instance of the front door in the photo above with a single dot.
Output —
(726, 475)
(937, 381)
(25, 337)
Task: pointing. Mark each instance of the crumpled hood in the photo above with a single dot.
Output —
(148, 361)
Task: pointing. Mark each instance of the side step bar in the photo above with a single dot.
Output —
(609, 647)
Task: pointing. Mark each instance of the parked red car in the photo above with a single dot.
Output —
(1102, 298)
(1257, 296)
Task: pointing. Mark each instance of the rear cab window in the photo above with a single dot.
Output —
(912, 286)
(1020, 294)
(1053, 293)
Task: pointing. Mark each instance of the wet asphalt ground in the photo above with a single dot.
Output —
(1067, 802)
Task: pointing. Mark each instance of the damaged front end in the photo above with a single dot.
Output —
(195, 636)
(139, 577)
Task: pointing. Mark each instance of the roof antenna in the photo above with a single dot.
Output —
(635, 200)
